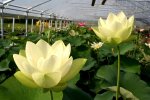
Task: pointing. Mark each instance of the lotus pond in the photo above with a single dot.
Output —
(97, 78)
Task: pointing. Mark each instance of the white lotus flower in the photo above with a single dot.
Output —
(46, 66)
(147, 44)
(115, 29)
(73, 33)
(96, 46)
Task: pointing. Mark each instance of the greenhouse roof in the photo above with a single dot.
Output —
(78, 9)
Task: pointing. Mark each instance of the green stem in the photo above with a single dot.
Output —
(51, 93)
(118, 75)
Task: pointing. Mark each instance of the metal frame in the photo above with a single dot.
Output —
(82, 10)
(2, 15)
(28, 9)
(41, 28)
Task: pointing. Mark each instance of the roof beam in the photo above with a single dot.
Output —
(38, 5)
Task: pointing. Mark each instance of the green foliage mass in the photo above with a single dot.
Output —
(96, 80)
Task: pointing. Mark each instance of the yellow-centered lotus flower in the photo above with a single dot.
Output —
(115, 29)
(96, 46)
(46, 66)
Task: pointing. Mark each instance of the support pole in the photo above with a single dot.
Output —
(55, 24)
(43, 25)
(64, 24)
(32, 25)
(60, 24)
(27, 23)
(2, 22)
(13, 24)
(51, 23)
(40, 28)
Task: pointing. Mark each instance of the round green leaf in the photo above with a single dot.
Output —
(11, 89)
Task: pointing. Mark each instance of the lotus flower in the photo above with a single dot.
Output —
(141, 30)
(81, 24)
(96, 46)
(46, 66)
(115, 29)
(147, 44)
(73, 33)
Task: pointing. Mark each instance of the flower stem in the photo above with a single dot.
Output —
(51, 93)
(118, 75)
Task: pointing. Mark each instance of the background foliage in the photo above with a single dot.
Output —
(97, 79)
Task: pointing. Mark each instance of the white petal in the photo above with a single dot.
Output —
(131, 21)
(47, 80)
(40, 63)
(23, 65)
(57, 48)
(114, 27)
(44, 46)
(101, 22)
(33, 53)
(59, 42)
(122, 18)
(105, 31)
(121, 15)
(111, 17)
(98, 33)
(109, 39)
(124, 33)
(66, 53)
(50, 64)
(66, 67)
(75, 68)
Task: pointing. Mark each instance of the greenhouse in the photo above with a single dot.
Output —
(75, 50)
